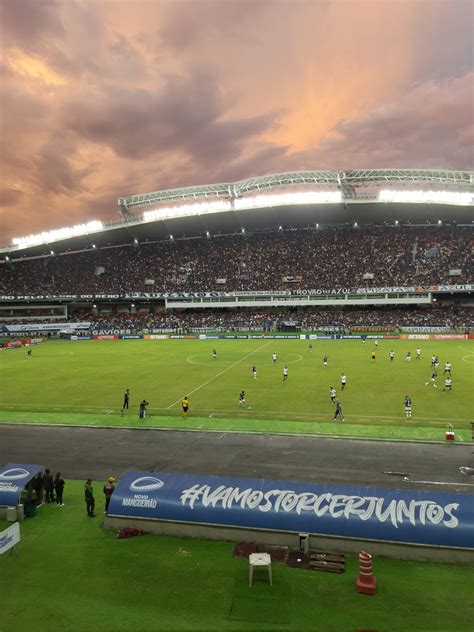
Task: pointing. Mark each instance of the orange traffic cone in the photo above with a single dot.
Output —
(366, 582)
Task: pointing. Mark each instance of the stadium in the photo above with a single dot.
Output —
(198, 339)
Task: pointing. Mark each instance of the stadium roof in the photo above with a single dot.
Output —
(291, 200)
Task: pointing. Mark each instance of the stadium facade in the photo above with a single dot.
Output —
(296, 202)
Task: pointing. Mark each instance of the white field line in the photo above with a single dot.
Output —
(299, 358)
(433, 420)
(231, 366)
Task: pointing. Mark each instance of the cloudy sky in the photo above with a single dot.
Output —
(110, 98)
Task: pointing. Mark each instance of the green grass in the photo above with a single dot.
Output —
(83, 382)
(71, 574)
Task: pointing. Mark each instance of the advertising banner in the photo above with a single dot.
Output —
(13, 478)
(46, 327)
(105, 337)
(9, 538)
(328, 291)
(416, 517)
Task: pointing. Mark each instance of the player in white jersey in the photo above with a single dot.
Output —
(343, 381)
(391, 355)
(242, 398)
(325, 361)
(448, 384)
(285, 373)
(447, 368)
(332, 394)
(254, 372)
(408, 357)
(376, 343)
(418, 354)
(433, 360)
(274, 358)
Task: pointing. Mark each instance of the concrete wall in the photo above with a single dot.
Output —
(325, 543)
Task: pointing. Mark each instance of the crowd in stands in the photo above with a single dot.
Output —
(303, 318)
(314, 259)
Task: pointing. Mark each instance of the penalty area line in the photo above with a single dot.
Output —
(231, 366)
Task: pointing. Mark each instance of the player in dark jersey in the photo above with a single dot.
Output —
(29, 353)
(126, 399)
(408, 407)
(214, 354)
(432, 379)
(372, 355)
(338, 412)
(242, 398)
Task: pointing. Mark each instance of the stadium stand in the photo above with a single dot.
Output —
(274, 260)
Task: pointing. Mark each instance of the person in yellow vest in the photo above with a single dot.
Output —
(373, 356)
(185, 406)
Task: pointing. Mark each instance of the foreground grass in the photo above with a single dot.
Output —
(408, 431)
(70, 574)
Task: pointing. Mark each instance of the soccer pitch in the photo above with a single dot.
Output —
(84, 382)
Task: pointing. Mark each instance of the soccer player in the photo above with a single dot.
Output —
(447, 368)
(29, 353)
(310, 347)
(343, 381)
(364, 339)
(285, 373)
(242, 398)
(418, 354)
(254, 372)
(332, 394)
(391, 355)
(143, 405)
(376, 343)
(325, 361)
(408, 357)
(436, 362)
(214, 354)
(338, 412)
(448, 384)
(274, 358)
(408, 407)
(433, 361)
(185, 405)
(432, 379)
(372, 355)
(126, 399)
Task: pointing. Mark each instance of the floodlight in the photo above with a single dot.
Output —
(462, 198)
(439, 222)
(57, 234)
(51, 252)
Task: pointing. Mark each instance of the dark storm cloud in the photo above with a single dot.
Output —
(186, 114)
(24, 22)
(101, 99)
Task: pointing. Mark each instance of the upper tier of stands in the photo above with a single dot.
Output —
(327, 258)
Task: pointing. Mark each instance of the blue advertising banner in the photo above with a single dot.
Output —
(416, 517)
(13, 478)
